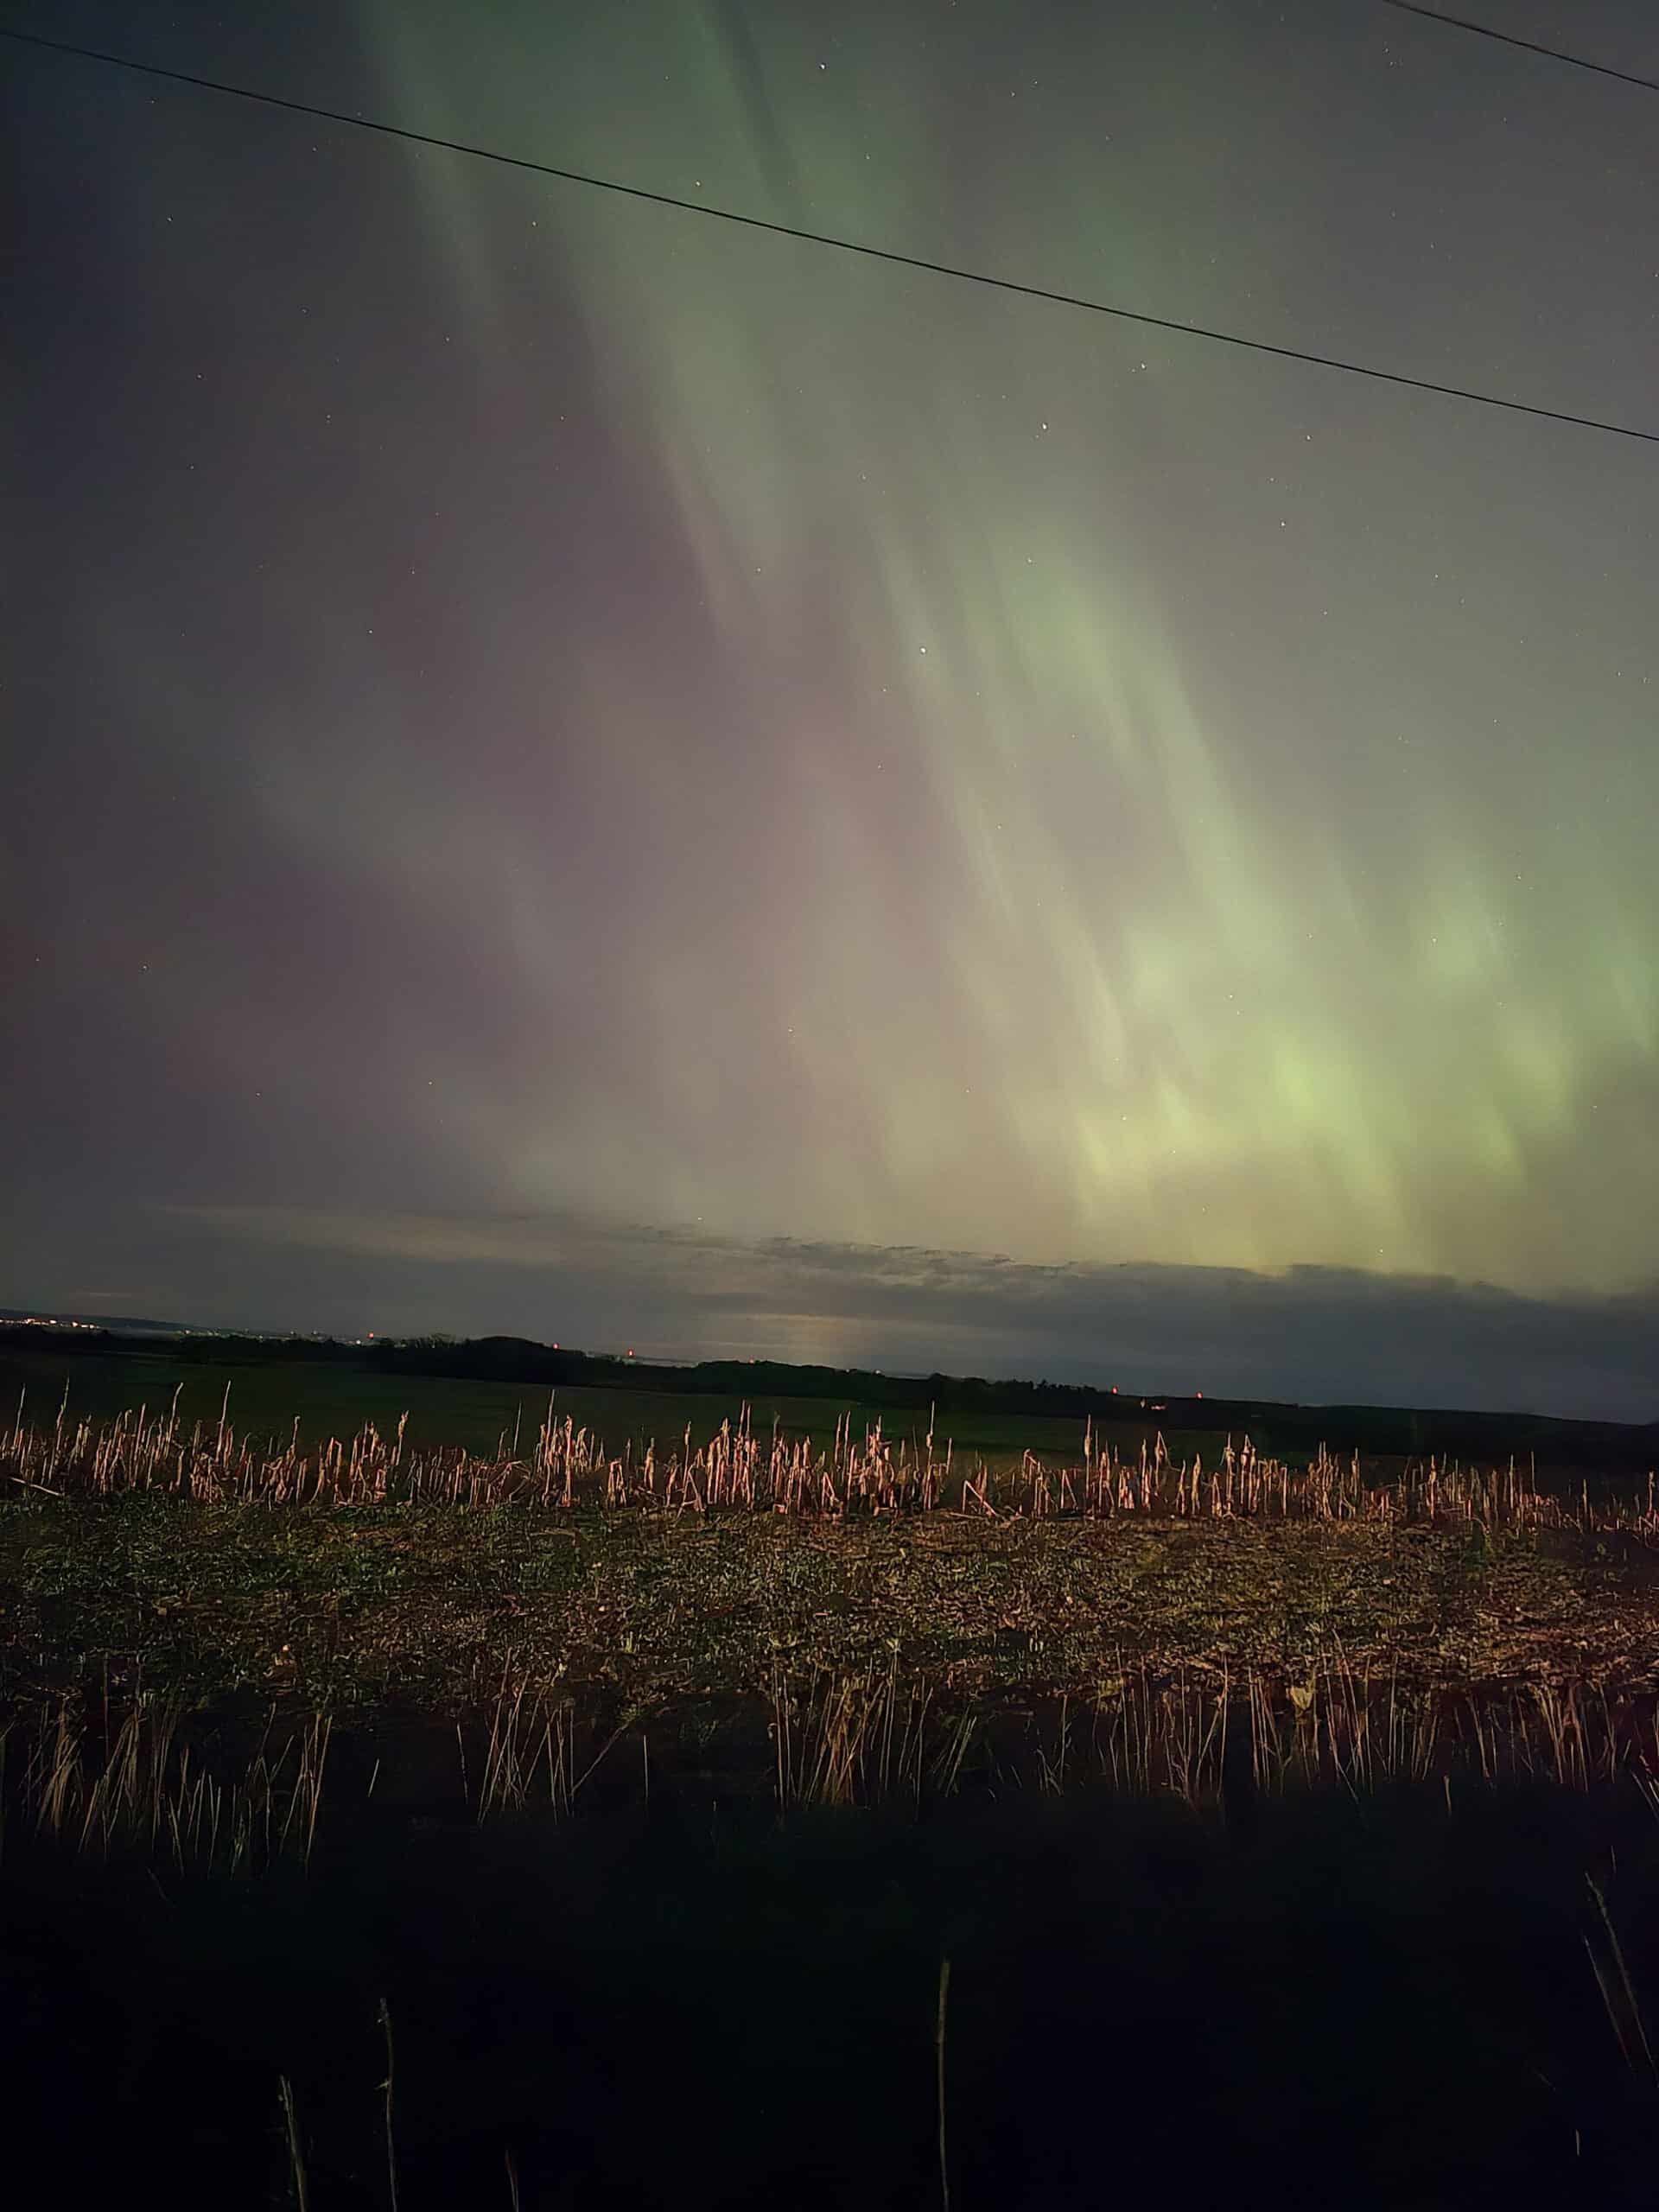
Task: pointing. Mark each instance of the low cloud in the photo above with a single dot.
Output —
(1317, 1334)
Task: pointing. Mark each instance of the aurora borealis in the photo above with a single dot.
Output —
(580, 770)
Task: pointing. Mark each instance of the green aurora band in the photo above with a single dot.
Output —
(1202, 973)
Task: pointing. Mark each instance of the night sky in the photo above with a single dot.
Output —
(576, 769)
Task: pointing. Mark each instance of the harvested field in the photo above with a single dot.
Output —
(356, 1574)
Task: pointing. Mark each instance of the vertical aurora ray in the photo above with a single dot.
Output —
(1077, 964)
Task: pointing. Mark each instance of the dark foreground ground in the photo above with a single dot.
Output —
(1382, 2002)
(615, 1858)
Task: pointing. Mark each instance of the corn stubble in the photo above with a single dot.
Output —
(836, 1738)
(737, 1470)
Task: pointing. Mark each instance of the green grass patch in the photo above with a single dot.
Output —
(329, 1401)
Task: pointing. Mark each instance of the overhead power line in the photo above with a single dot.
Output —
(843, 246)
(1526, 45)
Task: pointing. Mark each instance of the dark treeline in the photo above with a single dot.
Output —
(1275, 1427)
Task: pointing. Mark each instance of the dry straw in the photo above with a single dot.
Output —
(737, 1470)
(837, 1739)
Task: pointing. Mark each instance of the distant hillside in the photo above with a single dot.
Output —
(1275, 1426)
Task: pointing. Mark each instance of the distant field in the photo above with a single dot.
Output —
(331, 1400)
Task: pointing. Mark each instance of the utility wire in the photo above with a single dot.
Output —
(1527, 45)
(845, 245)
